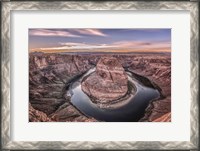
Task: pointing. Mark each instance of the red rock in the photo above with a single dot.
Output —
(157, 68)
(108, 82)
(49, 73)
(165, 118)
(68, 113)
(37, 116)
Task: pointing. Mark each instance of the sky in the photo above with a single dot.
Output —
(99, 40)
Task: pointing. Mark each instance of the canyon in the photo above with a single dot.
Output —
(51, 74)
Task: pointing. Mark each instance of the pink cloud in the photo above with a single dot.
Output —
(62, 33)
(95, 32)
(52, 33)
(141, 44)
(78, 46)
(121, 45)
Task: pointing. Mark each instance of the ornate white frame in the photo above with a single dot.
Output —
(8, 6)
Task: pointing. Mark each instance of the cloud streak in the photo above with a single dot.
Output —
(94, 32)
(66, 33)
(119, 46)
(89, 39)
(51, 33)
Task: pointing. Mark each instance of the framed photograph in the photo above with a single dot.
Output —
(100, 75)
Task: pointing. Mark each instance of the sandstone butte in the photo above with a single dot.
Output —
(109, 82)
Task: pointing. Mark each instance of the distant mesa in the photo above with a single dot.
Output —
(109, 82)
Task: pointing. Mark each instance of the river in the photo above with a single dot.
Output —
(131, 111)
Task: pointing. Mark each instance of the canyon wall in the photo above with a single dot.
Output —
(157, 68)
(50, 74)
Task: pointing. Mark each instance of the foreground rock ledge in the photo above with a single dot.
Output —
(109, 82)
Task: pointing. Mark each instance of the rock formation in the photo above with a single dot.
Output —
(156, 68)
(48, 76)
(165, 118)
(50, 73)
(108, 82)
(37, 116)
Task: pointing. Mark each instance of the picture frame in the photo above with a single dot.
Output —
(6, 69)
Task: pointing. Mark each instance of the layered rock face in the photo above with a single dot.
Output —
(37, 116)
(109, 82)
(50, 73)
(165, 118)
(157, 68)
(48, 76)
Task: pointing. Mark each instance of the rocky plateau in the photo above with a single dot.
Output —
(108, 83)
(50, 75)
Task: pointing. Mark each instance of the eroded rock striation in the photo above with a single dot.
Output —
(109, 82)
(48, 76)
(164, 118)
(50, 73)
(37, 116)
(157, 68)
